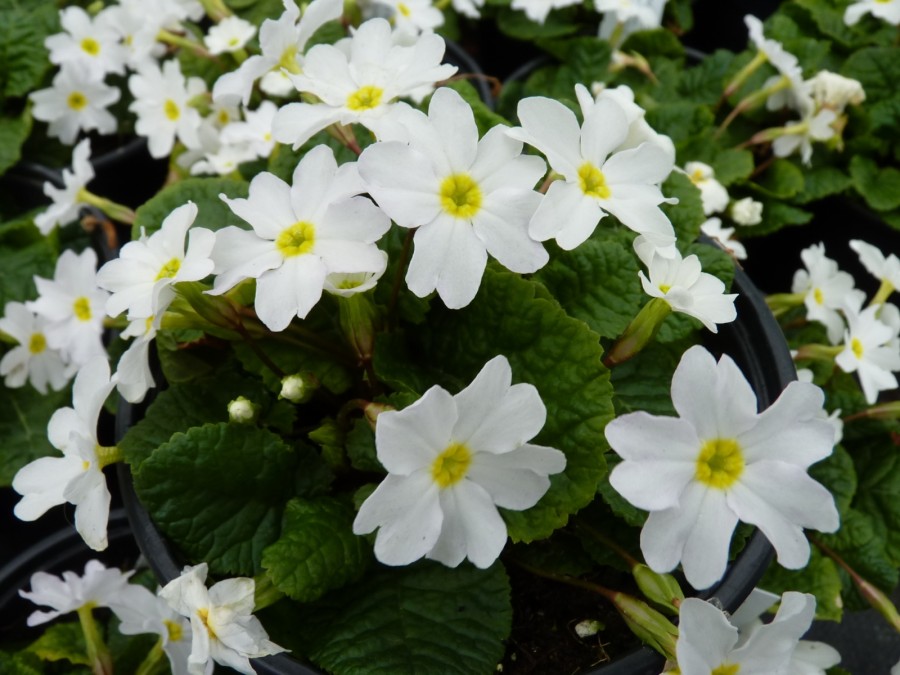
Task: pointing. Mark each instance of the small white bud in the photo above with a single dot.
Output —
(242, 410)
(298, 388)
(835, 91)
(588, 628)
(746, 211)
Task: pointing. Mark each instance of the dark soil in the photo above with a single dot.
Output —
(543, 639)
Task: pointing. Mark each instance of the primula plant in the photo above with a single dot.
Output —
(398, 362)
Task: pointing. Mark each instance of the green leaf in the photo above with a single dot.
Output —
(879, 187)
(13, 133)
(212, 212)
(218, 493)
(878, 494)
(361, 448)
(317, 551)
(820, 577)
(23, 427)
(705, 82)
(644, 382)
(63, 641)
(22, 663)
(687, 215)
(838, 474)
(559, 355)
(822, 181)
(877, 69)
(597, 282)
(558, 23)
(783, 179)
(18, 266)
(23, 57)
(776, 215)
(424, 618)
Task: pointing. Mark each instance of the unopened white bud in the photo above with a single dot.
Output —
(835, 91)
(588, 628)
(242, 410)
(294, 389)
(746, 211)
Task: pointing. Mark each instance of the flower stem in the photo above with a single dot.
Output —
(180, 41)
(884, 411)
(779, 303)
(115, 211)
(215, 9)
(265, 593)
(97, 651)
(751, 101)
(743, 74)
(152, 660)
(883, 293)
(640, 331)
(398, 274)
(107, 455)
(815, 352)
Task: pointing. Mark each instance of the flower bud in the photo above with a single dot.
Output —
(242, 410)
(647, 624)
(661, 589)
(298, 388)
(746, 211)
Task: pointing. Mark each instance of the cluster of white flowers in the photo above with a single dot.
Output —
(197, 626)
(867, 339)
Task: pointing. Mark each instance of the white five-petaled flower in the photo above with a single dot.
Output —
(887, 10)
(451, 461)
(720, 462)
(359, 81)
(73, 306)
(67, 200)
(32, 360)
(597, 180)
(826, 290)
(137, 23)
(708, 644)
(254, 132)
(301, 233)
(713, 229)
(467, 197)
(91, 42)
(870, 349)
(76, 477)
(162, 104)
(410, 17)
(712, 193)
(229, 35)
(100, 586)
(141, 611)
(686, 288)
(282, 42)
(639, 130)
(223, 627)
(885, 268)
(145, 266)
(76, 102)
(800, 134)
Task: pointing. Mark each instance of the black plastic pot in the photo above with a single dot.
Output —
(61, 551)
(756, 344)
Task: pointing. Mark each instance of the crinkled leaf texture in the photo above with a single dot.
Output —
(317, 550)
(212, 212)
(62, 641)
(218, 492)
(559, 355)
(23, 427)
(415, 620)
(23, 57)
(820, 577)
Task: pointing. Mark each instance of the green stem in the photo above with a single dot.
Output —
(581, 527)
(639, 333)
(780, 303)
(265, 593)
(107, 455)
(884, 411)
(215, 9)
(152, 660)
(815, 352)
(260, 353)
(751, 101)
(97, 651)
(883, 293)
(176, 40)
(115, 211)
(743, 74)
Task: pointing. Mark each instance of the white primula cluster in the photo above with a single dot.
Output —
(719, 462)
(197, 626)
(866, 339)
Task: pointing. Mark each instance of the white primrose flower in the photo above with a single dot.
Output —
(76, 102)
(100, 586)
(137, 23)
(145, 265)
(140, 611)
(887, 10)
(870, 350)
(93, 43)
(597, 180)
(720, 462)
(621, 18)
(709, 644)
(73, 306)
(774, 52)
(467, 197)
(451, 461)
(410, 18)
(359, 81)
(282, 42)
(177, 11)
(301, 233)
(537, 10)
(223, 627)
(254, 132)
(229, 35)
(134, 378)
(32, 360)
(685, 287)
(712, 193)
(800, 134)
(826, 290)
(746, 211)
(723, 236)
(67, 200)
(162, 105)
(884, 268)
(835, 91)
(76, 477)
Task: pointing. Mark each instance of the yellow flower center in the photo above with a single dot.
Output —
(451, 465)
(233, 42)
(460, 195)
(298, 239)
(720, 463)
(403, 9)
(664, 288)
(176, 633)
(857, 348)
(77, 100)
(727, 669)
(818, 296)
(593, 182)
(169, 270)
(365, 98)
(171, 109)
(224, 117)
(288, 61)
(204, 618)
(91, 46)
(37, 343)
(82, 308)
